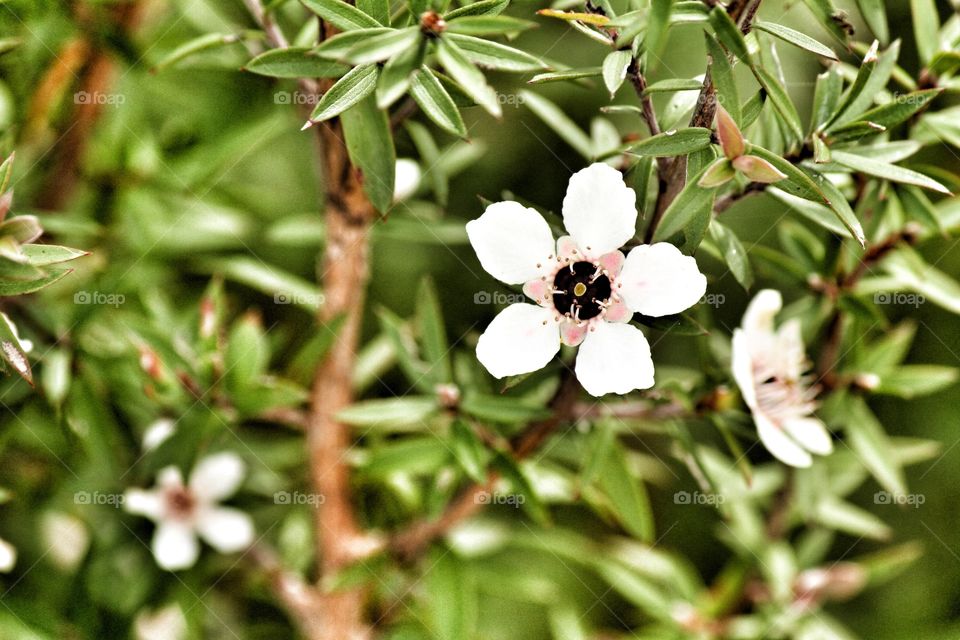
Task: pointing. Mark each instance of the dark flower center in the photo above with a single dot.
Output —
(180, 502)
(580, 290)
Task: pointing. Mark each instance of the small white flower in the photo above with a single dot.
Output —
(586, 291)
(184, 511)
(769, 367)
(166, 623)
(8, 556)
(407, 179)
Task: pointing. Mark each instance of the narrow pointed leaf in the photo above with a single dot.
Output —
(436, 102)
(295, 62)
(356, 85)
(341, 14)
(468, 76)
(796, 38)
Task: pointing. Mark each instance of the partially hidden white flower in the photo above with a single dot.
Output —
(8, 556)
(166, 623)
(184, 511)
(769, 366)
(586, 291)
(407, 179)
(67, 538)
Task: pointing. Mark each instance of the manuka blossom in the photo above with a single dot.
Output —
(585, 290)
(769, 367)
(184, 511)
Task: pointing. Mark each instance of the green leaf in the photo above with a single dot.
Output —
(196, 45)
(41, 255)
(926, 28)
(436, 102)
(341, 14)
(386, 45)
(488, 25)
(379, 10)
(673, 84)
(875, 15)
(673, 143)
(887, 171)
(395, 76)
(893, 113)
(433, 335)
(493, 55)
(658, 24)
(692, 206)
(733, 253)
(567, 74)
(453, 597)
(391, 414)
(781, 100)
(366, 129)
(839, 205)
(843, 516)
(499, 408)
(469, 77)
(349, 90)
(729, 34)
(6, 173)
(557, 120)
(18, 288)
(418, 456)
(721, 72)
(482, 8)
(248, 355)
(826, 96)
(284, 287)
(910, 270)
(469, 451)
(830, 18)
(627, 495)
(56, 375)
(614, 69)
(859, 101)
(337, 47)
(916, 380)
(868, 440)
(796, 38)
(797, 183)
(918, 207)
(294, 62)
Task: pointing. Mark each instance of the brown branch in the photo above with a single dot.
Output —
(646, 104)
(675, 179)
(343, 273)
(409, 543)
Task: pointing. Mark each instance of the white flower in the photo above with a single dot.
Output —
(184, 511)
(769, 367)
(407, 179)
(8, 556)
(167, 623)
(586, 291)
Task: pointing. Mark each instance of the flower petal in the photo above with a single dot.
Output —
(226, 530)
(407, 179)
(618, 311)
(539, 291)
(511, 240)
(8, 556)
(521, 339)
(572, 334)
(217, 477)
(599, 210)
(741, 362)
(758, 318)
(777, 442)
(811, 433)
(614, 358)
(140, 502)
(175, 546)
(612, 262)
(658, 280)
